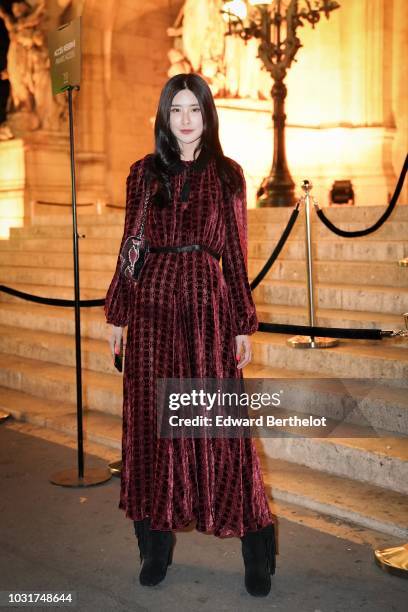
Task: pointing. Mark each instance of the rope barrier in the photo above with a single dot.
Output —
(354, 334)
(62, 203)
(330, 332)
(278, 328)
(378, 223)
(30, 297)
(118, 206)
(261, 275)
(100, 302)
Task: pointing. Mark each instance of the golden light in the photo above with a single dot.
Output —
(234, 8)
(12, 179)
(321, 155)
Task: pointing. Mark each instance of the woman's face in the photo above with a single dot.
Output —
(186, 121)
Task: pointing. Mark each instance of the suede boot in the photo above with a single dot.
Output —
(258, 552)
(156, 552)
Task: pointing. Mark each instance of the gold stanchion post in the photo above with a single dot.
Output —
(310, 341)
(115, 468)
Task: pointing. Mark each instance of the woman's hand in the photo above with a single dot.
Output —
(115, 339)
(243, 345)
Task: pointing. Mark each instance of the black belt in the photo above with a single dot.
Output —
(183, 248)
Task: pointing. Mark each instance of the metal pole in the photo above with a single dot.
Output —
(309, 270)
(310, 341)
(70, 478)
(77, 297)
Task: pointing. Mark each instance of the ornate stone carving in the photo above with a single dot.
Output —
(230, 66)
(31, 104)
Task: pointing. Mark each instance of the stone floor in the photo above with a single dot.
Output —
(60, 539)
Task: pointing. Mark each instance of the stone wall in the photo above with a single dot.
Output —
(349, 76)
(124, 68)
(348, 84)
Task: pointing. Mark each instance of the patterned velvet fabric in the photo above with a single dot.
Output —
(182, 316)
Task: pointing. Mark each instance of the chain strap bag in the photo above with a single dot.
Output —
(135, 249)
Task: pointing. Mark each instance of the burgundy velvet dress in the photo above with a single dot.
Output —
(183, 315)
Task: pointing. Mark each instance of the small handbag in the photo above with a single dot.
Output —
(135, 248)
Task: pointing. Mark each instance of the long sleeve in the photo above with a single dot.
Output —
(117, 298)
(235, 262)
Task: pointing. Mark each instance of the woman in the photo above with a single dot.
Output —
(187, 319)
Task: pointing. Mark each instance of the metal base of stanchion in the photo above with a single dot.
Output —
(4, 416)
(305, 342)
(393, 560)
(70, 478)
(115, 468)
(403, 263)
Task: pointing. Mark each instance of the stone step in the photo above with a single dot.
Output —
(363, 273)
(371, 359)
(335, 496)
(381, 358)
(262, 223)
(380, 409)
(338, 496)
(61, 320)
(325, 317)
(294, 249)
(60, 416)
(387, 274)
(57, 348)
(115, 217)
(57, 277)
(44, 260)
(56, 320)
(335, 213)
(276, 291)
(373, 251)
(380, 405)
(61, 245)
(367, 358)
(391, 230)
(382, 462)
(343, 296)
(101, 391)
(360, 503)
(44, 379)
(66, 293)
(391, 417)
(258, 370)
(30, 232)
(19, 313)
(298, 315)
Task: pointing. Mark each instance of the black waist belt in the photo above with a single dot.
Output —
(183, 248)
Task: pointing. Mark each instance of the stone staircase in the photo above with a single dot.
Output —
(361, 478)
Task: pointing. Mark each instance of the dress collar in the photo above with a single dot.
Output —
(197, 166)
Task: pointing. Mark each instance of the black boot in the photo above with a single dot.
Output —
(156, 552)
(258, 552)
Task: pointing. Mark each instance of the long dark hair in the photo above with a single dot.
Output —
(167, 150)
